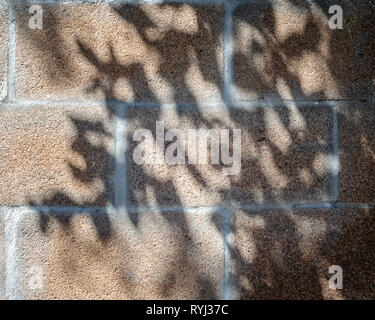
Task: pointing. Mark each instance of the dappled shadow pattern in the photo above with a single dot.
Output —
(290, 51)
(277, 268)
(354, 252)
(285, 152)
(287, 255)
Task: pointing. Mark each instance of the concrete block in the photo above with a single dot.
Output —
(158, 53)
(284, 254)
(148, 256)
(55, 156)
(285, 156)
(288, 51)
(357, 152)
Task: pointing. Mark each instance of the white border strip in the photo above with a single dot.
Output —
(120, 178)
(11, 219)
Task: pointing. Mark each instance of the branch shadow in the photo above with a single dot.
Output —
(287, 149)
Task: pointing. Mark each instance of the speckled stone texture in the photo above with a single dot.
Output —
(357, 152)
(3, 49)
(99, 71)
(55, 156)
(286, 155)
(288, 50)
(159, 53)
(286, 255)
(150, 256)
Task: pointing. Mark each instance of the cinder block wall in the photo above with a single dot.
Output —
(80, 219)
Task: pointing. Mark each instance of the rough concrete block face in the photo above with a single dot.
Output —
(284, 155)
(287, 255)
(284, 50)
(357, 168)
(126, 172)
(158, 53)
(3, 49)
(153, 256)
(55, 156)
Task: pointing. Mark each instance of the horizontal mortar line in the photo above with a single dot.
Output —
(104, 103)
(23, 103)
(286, 102)
(146, 1)
(354, 205)
(283, 206)
(305, 205)
(53, 103)
(326, 205)
(59, 209)
(134, 2)
(176, 208)
(189, 209)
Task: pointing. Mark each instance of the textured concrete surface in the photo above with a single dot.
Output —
(289, 51)
(285, 157)
(154, 256)
(159, 53)
(55, 156)
(286, 255)
(3, 49)
(61, 148)
(2, 258)
(357, 152)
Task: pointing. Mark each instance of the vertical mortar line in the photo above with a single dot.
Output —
(11, 84)
(227, 285)
(335, 164)
(227, 55)
(120, 180)
(228, 100)
(11, 217)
